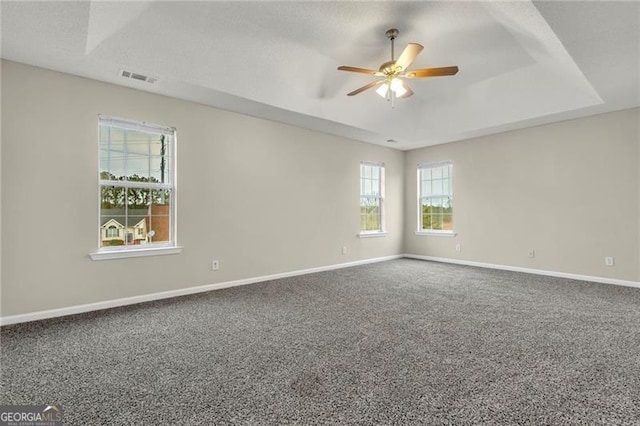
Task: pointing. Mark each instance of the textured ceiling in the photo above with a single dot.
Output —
(521, 63)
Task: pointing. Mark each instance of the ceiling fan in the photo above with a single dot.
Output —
(392, 84)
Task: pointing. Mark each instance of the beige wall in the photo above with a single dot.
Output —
(261, 197)
(568, 190)
(637, 136)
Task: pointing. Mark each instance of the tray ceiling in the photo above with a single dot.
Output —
(521, 63)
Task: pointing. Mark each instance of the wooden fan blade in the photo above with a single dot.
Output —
(432, 72)
(408, 55)
(360, 70)
(365, 87)
(408, 92)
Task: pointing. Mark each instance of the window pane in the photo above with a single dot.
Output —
(137, 156)
(160, 162)
(426, 188)
(447, 222)
(446, 203)
(446, 187)
(436, 187)
(425, 174)
(112, 216)
(136, 225)
(370, 222)
(159, 145)
(137, 198)
(426, 218)
(157, 171)
(436, 222)
(137, 167)
(368, 203)
(137, 142)
(436, 173)
(112, 197)
(369, 214)
(375, 173)
(160, 217)
(112, 152)
(426, 215)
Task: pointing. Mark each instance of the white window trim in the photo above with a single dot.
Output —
(436, 164)
(171, 247)
(430, 232)
(116, 253)
(372, 234)
(436, 233)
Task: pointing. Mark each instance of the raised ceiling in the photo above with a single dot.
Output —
(521, 63)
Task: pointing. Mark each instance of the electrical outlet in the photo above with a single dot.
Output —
(532, 253)
(458, 247)
(344, 250)
(608, 261)
(215, 265)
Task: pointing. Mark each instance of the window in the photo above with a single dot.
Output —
(435, 192)
(371, 198)
(136, 186)
(112, 232)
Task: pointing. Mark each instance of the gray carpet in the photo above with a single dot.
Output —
(398, 342)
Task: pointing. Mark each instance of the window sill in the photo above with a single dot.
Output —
(122, 254)
(437, 233)
(374, 234)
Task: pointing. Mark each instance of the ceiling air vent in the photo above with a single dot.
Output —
(136, 76)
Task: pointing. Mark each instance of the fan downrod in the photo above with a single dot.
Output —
(391, 35)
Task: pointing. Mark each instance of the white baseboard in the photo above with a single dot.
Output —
(529, 270)
(78, 309)
(53, 313)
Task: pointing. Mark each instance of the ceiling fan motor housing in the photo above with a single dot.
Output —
(392, 33)
(388, 68)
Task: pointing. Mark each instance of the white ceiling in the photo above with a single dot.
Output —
(521, 63)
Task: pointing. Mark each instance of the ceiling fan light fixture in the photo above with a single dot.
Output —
(383, 90)
(394, 86)
(397, 87)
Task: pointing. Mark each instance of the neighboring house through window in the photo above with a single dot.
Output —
(136, 185)
(435, 198)
(371, 198)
